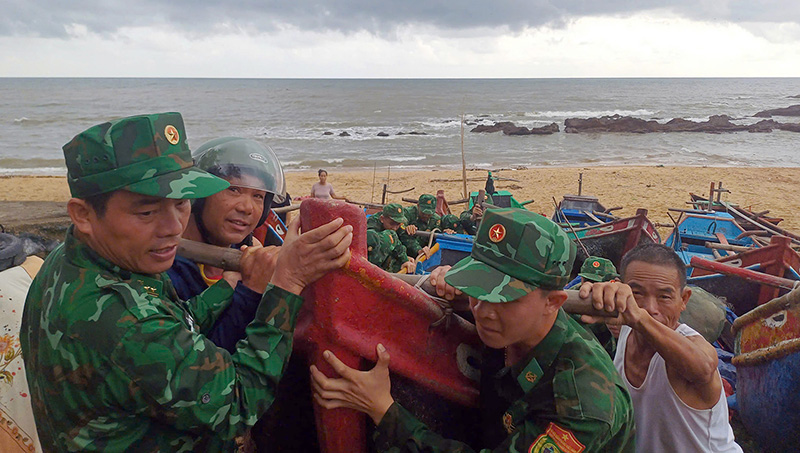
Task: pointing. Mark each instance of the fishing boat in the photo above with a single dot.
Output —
(613, 239)
(695, 228)
(778, 259)
(582, 211)
(749, 220)
(767, 361)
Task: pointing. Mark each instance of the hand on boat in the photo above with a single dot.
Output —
(257, 265)
(410, 266)
(304, 258)
(611, 296)
(365, 391)
(411, 229)
(442, 288)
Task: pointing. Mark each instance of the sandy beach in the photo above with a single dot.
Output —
(654, 188)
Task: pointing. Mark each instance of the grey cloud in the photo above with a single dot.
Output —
(49, 18)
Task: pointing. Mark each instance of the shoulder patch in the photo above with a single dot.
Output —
(556, 439)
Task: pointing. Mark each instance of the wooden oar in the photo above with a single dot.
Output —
(228, 259)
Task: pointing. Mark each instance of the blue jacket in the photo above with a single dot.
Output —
(231, 323)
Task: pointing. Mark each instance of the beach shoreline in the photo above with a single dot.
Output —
(656, 188)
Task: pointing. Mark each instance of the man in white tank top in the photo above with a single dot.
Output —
(670, 370)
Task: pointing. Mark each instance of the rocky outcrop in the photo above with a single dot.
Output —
(509, 128)
(382, 134)
(792, 110)
(716, 124)
(344, 134)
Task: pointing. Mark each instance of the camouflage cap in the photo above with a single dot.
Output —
(145, 154)
(449, 222)
(598, 269)
(427, 204)
(395, 212)
(515, 252)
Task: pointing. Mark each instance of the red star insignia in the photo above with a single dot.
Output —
(497, 232)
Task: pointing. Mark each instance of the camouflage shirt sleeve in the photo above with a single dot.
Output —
(400, 431)
(208, 305)
(410, 242)
(196, 385)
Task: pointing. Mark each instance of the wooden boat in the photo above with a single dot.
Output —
(433, 366)
(695, 228)
(768, 365)
(612, 240)
(777, 259)
(582, 211)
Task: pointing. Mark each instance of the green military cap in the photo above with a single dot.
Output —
(395, 212)
(598, 269)
(515, 252)
(449, 221)
(427, 204)
(145, 154)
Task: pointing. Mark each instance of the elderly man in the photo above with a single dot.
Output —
(114, 359)
(669, 369)
(554, 388)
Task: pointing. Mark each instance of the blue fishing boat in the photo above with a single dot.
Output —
(768, 365)
(582, 211)
(695, 228)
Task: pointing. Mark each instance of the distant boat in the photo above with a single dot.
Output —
(768, 366)
(613, 239)
(581, 211)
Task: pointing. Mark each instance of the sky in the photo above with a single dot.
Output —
(400, 38)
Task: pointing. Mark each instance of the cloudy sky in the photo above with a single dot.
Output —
(399, 39)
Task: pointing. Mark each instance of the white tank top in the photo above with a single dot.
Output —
(664, 423)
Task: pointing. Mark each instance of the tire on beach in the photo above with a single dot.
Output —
(11, 251)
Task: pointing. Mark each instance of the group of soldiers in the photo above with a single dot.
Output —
(391, 241)
(127, 348)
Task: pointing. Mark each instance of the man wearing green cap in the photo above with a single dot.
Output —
(547, 385)
(422, 217)
(391, 218)
(385, 251)
(452, 225)
(114, 359)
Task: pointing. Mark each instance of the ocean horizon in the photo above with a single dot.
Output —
(409, 123)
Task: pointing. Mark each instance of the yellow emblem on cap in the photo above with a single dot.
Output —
(497, 232)
(172, 134)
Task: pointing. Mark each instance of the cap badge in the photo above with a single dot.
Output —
(595, 263)
(497, 232)
(172, 134)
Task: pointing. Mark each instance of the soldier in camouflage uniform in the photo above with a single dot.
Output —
(386, 251)
(452, 225)
(547, 385)
(422, 217)
(471, 218)
(114, 359)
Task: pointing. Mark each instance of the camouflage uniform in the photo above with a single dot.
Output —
(393, 211)
(426, 205)
(114, 359)
(565, 395)
(471, 226)
(451, 222)
(385, 250)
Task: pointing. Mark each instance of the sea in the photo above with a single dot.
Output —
(423, 123)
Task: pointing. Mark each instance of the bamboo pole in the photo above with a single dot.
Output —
(463, 159)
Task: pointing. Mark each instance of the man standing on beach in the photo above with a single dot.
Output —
(554, 388)
(669, 369)
(115, 360)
